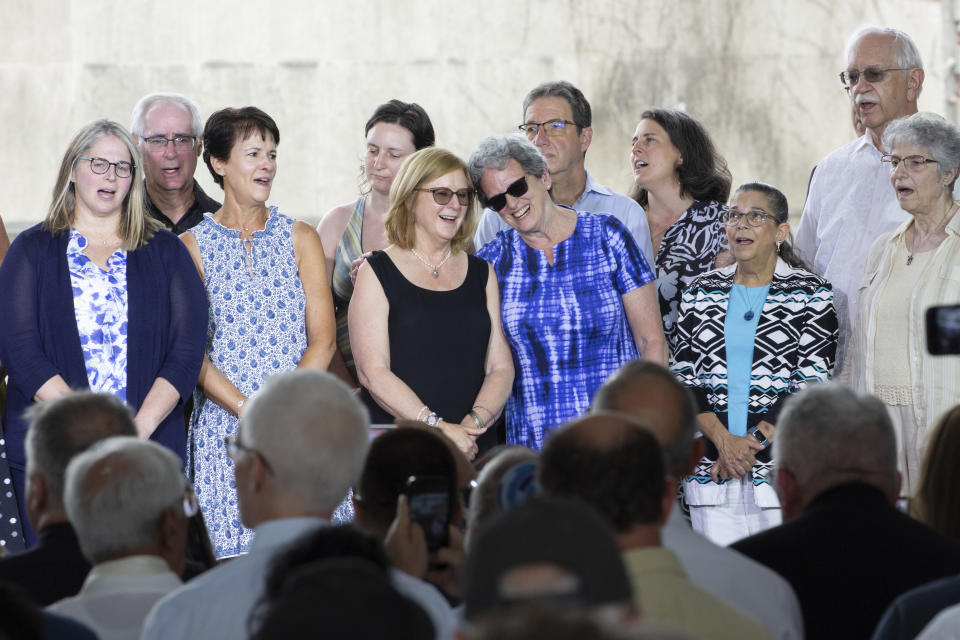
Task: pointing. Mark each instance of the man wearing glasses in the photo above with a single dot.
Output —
(557, 119)
(169, 136)
(850, 201)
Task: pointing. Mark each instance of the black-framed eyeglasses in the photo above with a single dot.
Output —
(180, 143)
(912, 163)
(442, 195)
(873, 75)
(754, 217)
(101, 165)
(553, 127)
(516, 189)
(234, 447)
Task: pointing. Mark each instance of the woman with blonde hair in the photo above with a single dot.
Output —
(425, 316)
(98, 296)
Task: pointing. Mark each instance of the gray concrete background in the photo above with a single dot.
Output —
(761, 75)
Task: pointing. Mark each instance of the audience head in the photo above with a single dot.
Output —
(753, 196)
(59, 430)
(127, 496)
(651, 395)
(933, 137)
(328, 598)
(395, 456)
(557, 119)
(669, 147)
(409, 198)
(20, 617)
(394, 131)
(547, 550)
(300, 446)
(613, 464)
(884, 75)
(227, 128)
(828, 435)
(937, 501)
(168, 131)
(505, 481)
(545, 623)
(78, 178)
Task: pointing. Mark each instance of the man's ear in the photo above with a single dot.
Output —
(914, 84)
(586, 137)
(789, 493)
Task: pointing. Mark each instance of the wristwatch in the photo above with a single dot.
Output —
(433, 420)
(758, 435)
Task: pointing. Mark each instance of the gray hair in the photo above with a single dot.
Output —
(579, 107)
(485, 497)
(928, 131)
(908, 55)
(496, 151)
(147, 102)
(313, 431)
(62, 428)
(828, 435)
(117, 492)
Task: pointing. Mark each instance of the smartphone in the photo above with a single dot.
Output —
(430, 504)
(943, 329)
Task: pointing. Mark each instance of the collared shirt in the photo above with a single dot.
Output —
(666, 597)
(757, 591)
(117, 595)
(202, 203)
(849, 204)
(595, 198)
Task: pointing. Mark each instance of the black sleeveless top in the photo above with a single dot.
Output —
(438, 339)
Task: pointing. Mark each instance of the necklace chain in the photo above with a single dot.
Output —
(434, 267)
(918, 244)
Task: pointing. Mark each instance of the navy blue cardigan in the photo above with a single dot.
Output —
(166, 324)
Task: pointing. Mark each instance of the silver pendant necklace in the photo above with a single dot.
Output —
(434, 267)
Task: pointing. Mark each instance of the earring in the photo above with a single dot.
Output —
(779, 242)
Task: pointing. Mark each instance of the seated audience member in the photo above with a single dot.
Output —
(22, 619)
(844, 546)
(612, 463)
(59, 429)
(299, 448)
(545, 623)
(325, 599)
(946, 626)
(505, 481)
(129, 504)
(393, 458)
(548, 551)
(650, 394)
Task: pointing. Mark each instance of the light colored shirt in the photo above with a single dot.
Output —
(666, 597)
(443, 617)
(742, 583)
(117, 595)
(739, 333)
(595, 198)
(850, 203)
(946, 626)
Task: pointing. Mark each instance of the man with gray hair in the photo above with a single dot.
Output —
(169, 135)
(129, 503)
(59, 429)
(558, 120)
(652, 395)
(850, 201)
(843, 545)
(300, 446)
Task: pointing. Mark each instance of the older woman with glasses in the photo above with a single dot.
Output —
(99, 296)
(749, 335)
(908, 270)
(578, 299)
(425, 315)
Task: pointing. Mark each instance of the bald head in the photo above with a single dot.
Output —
(609, 461)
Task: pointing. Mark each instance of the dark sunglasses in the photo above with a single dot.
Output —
(517, 189)
(442, 195)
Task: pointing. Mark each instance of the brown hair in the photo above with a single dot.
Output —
(937, 501)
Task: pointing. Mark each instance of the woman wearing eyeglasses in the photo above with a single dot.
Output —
(910, 269)
(99, 296)
(749, 335)
(425, 315)
(578, 299)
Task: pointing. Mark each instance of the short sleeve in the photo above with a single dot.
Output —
(632, 270)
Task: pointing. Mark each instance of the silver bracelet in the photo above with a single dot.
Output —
(477, 420)
(420, 413)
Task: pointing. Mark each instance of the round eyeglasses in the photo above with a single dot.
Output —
(102, 165)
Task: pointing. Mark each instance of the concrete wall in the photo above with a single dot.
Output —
(761, 74)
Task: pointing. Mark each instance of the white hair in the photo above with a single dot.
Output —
(313, 431)
(147, 102)
(117, 491)
(908, 55)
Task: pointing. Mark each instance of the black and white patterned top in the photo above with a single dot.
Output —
(688, 248)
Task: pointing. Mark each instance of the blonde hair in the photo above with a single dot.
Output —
(136, 227)
(420, 168)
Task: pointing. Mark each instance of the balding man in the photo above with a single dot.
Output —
(850, 200)
(129, 503)
(843, 546)
(649, 393)
(611, 462)
(300, 445)
(59, 429)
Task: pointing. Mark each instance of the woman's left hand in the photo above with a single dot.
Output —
(460, 435)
